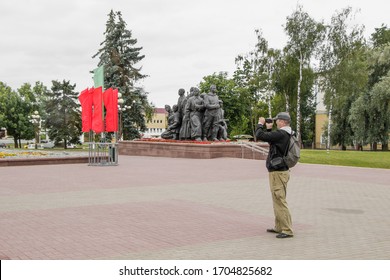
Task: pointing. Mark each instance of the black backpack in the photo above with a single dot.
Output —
(293, 151)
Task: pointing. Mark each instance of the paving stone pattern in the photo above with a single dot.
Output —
(175, 208)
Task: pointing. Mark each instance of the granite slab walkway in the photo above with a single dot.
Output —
(173, 208)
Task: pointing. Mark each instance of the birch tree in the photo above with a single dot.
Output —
(344, 72)
(304, 36)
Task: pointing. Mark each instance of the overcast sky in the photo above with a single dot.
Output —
(182, 40)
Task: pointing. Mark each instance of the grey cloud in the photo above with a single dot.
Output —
(182, 40)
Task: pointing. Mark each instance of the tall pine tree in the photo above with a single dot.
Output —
(119, 56)
(63, 121)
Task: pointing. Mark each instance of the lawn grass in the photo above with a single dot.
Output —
(347, 158)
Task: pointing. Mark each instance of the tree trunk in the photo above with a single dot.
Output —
(329, 124)
(359, 147)
(15, 142)
(253, 122)
(269, 104)
(299, 100)
(385, 147)
(287, 102)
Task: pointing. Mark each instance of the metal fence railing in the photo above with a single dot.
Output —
(102, 154)
(253, 147)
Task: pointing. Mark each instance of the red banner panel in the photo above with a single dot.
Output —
(85, 99)
(97, 115)
(110, 97)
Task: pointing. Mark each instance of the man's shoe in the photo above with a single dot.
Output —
(284, 235)
(272, 230)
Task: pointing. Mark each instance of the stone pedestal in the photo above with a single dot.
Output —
(190, 150)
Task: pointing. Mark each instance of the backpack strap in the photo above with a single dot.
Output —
(288, 142)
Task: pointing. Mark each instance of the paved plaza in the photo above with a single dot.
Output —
(175, 208)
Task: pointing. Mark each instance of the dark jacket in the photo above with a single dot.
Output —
(278, 141)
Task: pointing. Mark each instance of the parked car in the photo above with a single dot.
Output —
(70, 146)
(32, 146)
(47, 144)
(3, 145)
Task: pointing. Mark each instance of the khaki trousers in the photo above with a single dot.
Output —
(278, 184)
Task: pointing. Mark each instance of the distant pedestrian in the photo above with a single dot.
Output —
(279, 173)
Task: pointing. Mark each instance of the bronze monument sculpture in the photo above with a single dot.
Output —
(198, 117)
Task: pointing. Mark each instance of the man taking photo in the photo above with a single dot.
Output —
(279, 173)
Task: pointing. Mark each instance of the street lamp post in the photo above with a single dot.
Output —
(35, 119)
(121, 108)
(253, 122)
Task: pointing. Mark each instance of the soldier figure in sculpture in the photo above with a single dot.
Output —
(194, 108)
(211, 115)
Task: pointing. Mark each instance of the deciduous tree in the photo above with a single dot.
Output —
(14, 113)
(305, 34)
(344, 74)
